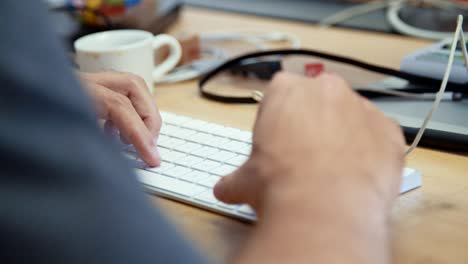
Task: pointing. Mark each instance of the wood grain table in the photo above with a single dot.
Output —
(431, 223)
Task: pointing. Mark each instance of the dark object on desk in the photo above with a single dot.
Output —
(438, 139)
(69, 29)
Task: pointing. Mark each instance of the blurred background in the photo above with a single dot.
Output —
(78, 17)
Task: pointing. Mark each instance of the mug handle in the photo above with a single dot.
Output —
(175, 53)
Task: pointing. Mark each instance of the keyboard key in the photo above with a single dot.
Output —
(168, 184)
(209, 182)
(207, 197)
(194, 176)
(205, 151)
(171, 143)
(200, 138)
(206, 165)
(177, 171)
(238, 135)
(166, 116)
(163, 167)
(189, 161)
(222, 156)
(235, 146)
(188, 147)
(246, 150)
(162, 139)
(237, 160)
(210, 128)
(245, 136)
(194, 124)
(215, 141)
(225, 132)
(182, 133)
(168, 129)
(223, 170)
(163, 151)
(176, 119)
(173, 156)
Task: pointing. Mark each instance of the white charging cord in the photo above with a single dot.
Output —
(258, 39)
(399, 25)
(355, 11)
(393, 10)
(459, 35)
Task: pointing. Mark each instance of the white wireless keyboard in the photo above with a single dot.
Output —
(196, 154)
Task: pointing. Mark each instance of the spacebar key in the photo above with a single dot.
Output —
(168, 184)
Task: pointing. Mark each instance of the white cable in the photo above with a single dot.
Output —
(458, 35)
(394, 19)
(258, 39)
(393, 11)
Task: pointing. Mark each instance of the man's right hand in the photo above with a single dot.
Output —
(326, 156)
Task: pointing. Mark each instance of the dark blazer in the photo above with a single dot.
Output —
(66, 195)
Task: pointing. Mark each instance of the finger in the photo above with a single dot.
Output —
(131, 127)
(228, 190)
(135, 88)
(279, 88)
(112, 131)
(239, 187)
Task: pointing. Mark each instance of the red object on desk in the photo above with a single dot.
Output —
(313, 69)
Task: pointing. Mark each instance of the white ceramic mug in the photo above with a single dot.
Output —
(127, 51)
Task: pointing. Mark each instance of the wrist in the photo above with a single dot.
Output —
(307, 192)
(330, 221)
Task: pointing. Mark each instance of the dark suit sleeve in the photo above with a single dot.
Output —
(66, 195)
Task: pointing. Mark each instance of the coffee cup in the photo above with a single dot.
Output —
(127, 51)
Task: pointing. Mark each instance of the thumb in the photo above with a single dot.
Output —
(236, 188)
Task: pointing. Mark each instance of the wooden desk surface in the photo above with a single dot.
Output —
(431, 223)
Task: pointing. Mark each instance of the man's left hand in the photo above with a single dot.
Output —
(123, 100)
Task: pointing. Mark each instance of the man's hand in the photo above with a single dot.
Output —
(123, 100)
(325, 168)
